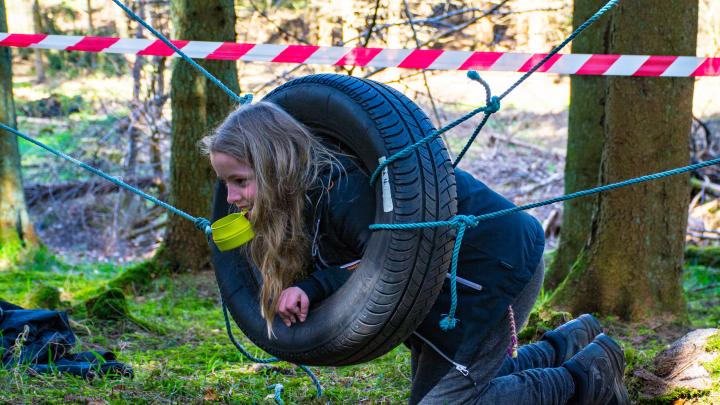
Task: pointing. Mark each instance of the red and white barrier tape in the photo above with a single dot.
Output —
(577, 64)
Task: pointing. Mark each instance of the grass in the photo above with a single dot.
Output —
(702, 284)
(188, 357)
(193, 360)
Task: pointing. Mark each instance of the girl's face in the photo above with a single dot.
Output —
(239, 178)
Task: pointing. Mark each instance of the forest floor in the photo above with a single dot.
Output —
(189, 357)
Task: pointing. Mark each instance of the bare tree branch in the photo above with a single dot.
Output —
(426, 21)
(369, 31)
(279, 28)
(438, 123)
(37, 193)
(448, 32)
(282, 76)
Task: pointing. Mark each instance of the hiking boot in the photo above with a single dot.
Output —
(571, 337)
(597, 371)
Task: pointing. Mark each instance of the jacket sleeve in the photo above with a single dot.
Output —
(350, 211)
(322, 283)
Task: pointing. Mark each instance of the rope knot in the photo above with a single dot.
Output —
(246, 99)
(493, 106)
(473, 75)
(204, 225)
(448, 322)
(469, 221)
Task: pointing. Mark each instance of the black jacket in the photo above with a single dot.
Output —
(500, 255)
(46, 344)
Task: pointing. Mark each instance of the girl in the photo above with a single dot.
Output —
(311, 207)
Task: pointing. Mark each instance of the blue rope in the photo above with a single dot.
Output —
(434, 134)
(462, 221)
(267, 360)
(278, 393)
(240, 348)
(242, 100)
(604, 9)
(201, 223)
(489, 100)
(493, 104)
(583, 193)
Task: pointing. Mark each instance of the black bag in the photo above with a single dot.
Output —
(41, 339)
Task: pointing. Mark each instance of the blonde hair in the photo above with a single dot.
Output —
(288, 161)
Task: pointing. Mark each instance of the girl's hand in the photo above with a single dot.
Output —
(293, 305)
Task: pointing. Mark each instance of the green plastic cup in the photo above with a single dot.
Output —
(232, 231)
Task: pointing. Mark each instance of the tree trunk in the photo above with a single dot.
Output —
(90, 21)
(158, 85)
(92, 58)
(586, 134)
(631, 266)
(197, 107)
(139, 59)
(37, 27)
(16, 232)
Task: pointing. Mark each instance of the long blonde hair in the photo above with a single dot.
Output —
(288, 160)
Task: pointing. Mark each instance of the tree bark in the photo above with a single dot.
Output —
(16, 231)
(631, 265)
(586, 134)
(37, 27)
(197, 107)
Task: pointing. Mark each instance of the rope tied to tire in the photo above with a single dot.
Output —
(459, 222)
(492, 105)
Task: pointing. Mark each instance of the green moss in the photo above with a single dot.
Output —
(111, 305)
(565, 294)
(541, 320)
(18, 256)
(703, 256)
(678, 395)
(43, 296)
(108, 305)
(713, 367)
(713, 343)
(11, 252)
(137, 279)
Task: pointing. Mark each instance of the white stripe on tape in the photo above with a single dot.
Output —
(327, 55)
(128, 45)
(569, 63)
(389, 57)
(683, 66)
(626, 65)
(57, 42)
(450, 60)
(263, 52)
(200, 50)
(510, 61)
